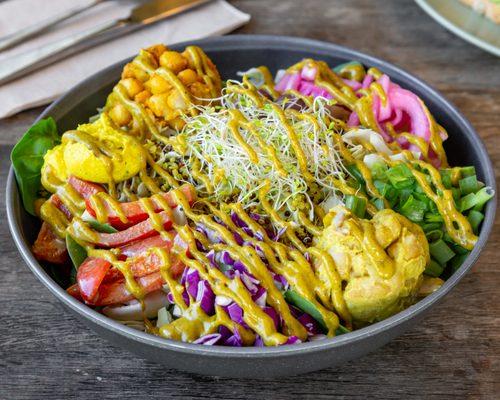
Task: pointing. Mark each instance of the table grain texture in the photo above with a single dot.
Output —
(453, 353)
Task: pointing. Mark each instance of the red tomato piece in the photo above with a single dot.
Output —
(49, 247)
(74, 291)
(90, 276)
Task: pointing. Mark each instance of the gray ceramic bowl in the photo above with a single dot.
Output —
(232, 54)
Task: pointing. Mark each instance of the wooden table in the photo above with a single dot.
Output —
(454, 353)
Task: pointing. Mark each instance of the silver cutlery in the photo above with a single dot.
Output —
(141, 16)
(39, 27)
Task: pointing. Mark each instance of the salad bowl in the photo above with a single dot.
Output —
(231, 55)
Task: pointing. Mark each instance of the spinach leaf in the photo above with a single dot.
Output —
(27, 159)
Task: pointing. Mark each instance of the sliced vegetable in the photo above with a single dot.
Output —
(434, 269)
(441, 251)
(400, 176)
(86, 189)
(138, 247)
(356, 204)
(116, 292)
(142, 230)
(413, 209)
(446, 178)
(104, 228)
(27, 159)
(354, 172)
(49, 247)
(134, 212)
(458, 260)
(90, 276)
(468, 171)
(294, 298)
(475, 218)
(478, 199)
(468, 185)
(77, 253)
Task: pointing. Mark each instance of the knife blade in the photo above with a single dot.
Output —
(141, 16)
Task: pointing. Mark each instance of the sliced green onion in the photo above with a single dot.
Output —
(468, 185)
(459, 249)
(447, 238)
(446, 178)
(379, 170)
(356, 204)
(355, 173)
(433, 217)
(476, 199)
(458, 260)
(413, 209)
(434, 269)
(400, 176)
(456, 194)
(378, 203)
(434, 235)
(475, 218)
(385, 189)
(431, 226)
(440, 251)
(467, 171)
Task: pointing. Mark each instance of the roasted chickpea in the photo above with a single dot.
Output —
(187, 56)
(128, 71)
(140, 74)
(158, 85)
(173, 61)
(188, 76)
(177, 123)
(133, 86)
(176, 101)
(120, 115)
(141, 97)
(157, 50)
(200, 90)
(158, 104)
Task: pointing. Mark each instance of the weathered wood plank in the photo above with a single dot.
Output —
(454, 353)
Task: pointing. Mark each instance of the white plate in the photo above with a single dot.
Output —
(463, 21)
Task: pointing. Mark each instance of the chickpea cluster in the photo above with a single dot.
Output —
(164, 102)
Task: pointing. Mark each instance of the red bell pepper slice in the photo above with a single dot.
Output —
(90, 276)
(85, 188)
(133, 210)
(116, 292)
(56, 200)
(135, 248)
(142, 230)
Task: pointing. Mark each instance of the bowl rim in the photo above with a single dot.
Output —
(268, 42)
